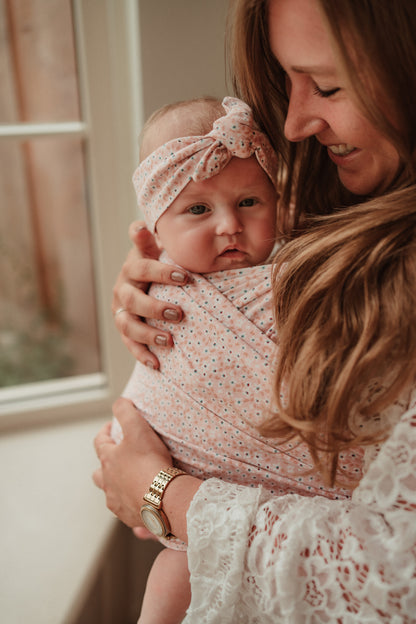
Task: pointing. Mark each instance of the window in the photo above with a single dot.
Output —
(69, 118)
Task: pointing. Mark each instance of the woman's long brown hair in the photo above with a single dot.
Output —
(345, 282)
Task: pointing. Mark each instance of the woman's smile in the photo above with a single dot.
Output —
(321, 101)
(341, 150)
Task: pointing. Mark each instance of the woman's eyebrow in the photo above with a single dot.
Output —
(318, 70)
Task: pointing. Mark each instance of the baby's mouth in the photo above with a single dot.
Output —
(231, 252)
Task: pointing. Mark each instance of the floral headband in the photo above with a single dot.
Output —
(163, 175)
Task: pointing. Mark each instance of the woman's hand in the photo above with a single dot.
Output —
(127, 469)
(130, 301)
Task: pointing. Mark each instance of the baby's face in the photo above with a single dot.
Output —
(225, 222)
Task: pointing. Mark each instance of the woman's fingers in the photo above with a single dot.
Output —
(142, 271)
(139, 304)
(103, 437)
(143, 240)
(141, 353)
(131, 304)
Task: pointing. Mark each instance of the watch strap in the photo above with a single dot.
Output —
(159, 484)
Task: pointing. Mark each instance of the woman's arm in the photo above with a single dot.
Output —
(131, 303)
(299, 559)
(127, 470)
(255, 556)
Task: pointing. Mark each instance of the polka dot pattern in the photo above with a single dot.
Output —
(213, 388)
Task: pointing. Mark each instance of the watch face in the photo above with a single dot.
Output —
(153, 521)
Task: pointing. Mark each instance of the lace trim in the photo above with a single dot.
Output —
(255, 558)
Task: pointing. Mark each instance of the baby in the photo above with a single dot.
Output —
(206, 186)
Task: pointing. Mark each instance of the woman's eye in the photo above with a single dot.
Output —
(249, 201)
(323, 92)
(198, 209)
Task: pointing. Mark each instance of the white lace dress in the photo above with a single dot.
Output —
(258, 558)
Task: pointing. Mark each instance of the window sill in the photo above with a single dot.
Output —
(54, 526)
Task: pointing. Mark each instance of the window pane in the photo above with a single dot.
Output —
(48, 325)
(37, 62)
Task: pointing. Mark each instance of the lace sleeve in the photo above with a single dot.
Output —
(258, 559)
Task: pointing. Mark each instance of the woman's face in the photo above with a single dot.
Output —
(321, 102)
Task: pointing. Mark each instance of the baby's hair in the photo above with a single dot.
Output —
(203, 112)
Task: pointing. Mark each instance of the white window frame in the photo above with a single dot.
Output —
(107, 33)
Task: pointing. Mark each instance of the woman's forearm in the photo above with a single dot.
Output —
(176, 502)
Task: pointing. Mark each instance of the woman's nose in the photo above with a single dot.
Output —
(304, 117)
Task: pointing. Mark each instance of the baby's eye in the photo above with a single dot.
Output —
(249, 201)
(198, 209)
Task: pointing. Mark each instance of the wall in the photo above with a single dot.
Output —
(182, 50)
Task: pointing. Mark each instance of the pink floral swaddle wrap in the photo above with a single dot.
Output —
(214, 387)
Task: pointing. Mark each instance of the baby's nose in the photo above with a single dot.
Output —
(229, 223)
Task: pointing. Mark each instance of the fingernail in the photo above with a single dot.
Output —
(161, 340)
(171, 315)
(150, 364)
(178, 276)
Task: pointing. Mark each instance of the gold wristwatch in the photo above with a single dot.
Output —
(153, 516)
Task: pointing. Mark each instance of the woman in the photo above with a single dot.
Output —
(337, 78)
